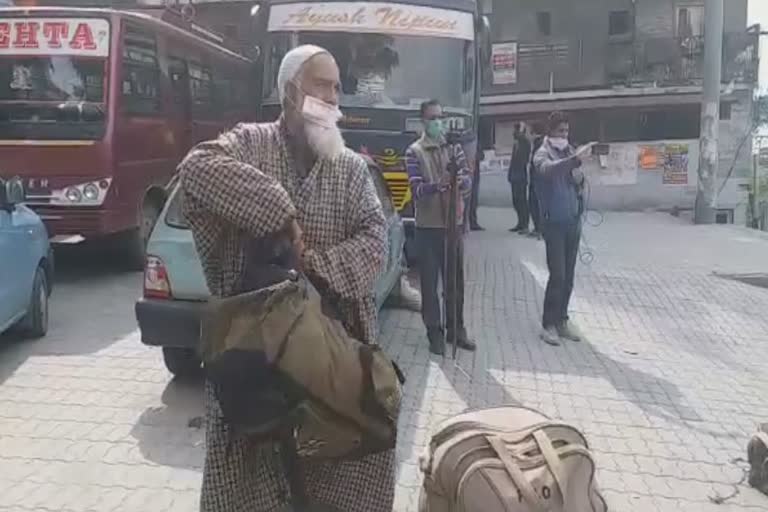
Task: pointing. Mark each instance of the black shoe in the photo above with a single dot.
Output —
(463, 342)
(436, 342)
(476, 227)
(523, 232)
(515, 229)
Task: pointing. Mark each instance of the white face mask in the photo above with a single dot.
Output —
(318, 112)
(558, 142)
(320, 127)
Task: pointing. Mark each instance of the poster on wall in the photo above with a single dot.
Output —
(504, 63)
(651, 157)
(618, 167)
(675, 164)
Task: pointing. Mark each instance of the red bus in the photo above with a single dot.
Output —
(98, 106)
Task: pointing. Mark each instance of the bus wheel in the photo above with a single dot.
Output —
(138, 238)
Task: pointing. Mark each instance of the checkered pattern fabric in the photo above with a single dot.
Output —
(245, 184)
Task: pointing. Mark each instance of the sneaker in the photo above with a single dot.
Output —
(410, 298)
(436, 342)
(515, 229)
(464, 343)
(550, 337)
(535, 234)
(568, 331)
(523, 232)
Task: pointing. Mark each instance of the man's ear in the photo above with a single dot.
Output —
(292, 99)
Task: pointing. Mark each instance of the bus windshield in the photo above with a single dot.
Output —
(67, 94)
(390, 71)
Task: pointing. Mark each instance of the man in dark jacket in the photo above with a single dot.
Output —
(518, 178)
(559, 189)
(533, 200)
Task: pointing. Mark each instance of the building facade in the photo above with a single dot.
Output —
(629, 73)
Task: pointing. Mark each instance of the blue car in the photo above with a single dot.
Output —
(26, 264)
(175, 291)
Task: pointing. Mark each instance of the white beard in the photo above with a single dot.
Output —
(326, 143)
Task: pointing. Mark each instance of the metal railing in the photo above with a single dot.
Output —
(572, 64)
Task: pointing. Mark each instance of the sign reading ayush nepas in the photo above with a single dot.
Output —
(54, 36)
(372, 17)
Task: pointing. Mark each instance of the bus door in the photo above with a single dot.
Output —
(178, 71)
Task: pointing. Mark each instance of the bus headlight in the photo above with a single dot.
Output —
(73, 195)
(91, 192)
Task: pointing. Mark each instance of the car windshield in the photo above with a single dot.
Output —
(174, 215)
(390, 71)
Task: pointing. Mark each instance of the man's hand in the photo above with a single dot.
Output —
(444, 183)
(297, 239)
(584, 151)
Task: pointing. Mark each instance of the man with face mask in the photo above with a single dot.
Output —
(560, 183)
(427, 161)
(296, 175)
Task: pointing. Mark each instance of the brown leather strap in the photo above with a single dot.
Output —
(516, 474)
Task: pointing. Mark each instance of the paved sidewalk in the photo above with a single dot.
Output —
(668, 386)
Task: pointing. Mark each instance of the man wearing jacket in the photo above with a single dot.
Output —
(560, 183)
(427, 162)
(517, 175)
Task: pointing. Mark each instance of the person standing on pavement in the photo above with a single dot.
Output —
(427, 162)
(292, 174)
(560, 184)
(533, 200)
(474, 198)
(517, 175)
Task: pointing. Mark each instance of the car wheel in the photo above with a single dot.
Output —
(411, 258)
(181, 362)
(35, 324)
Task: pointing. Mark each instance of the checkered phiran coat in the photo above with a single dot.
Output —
(245, 184)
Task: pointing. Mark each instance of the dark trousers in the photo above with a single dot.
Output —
(533, 206)
(474, 198)
(562, 250)
(431, 246)
(520, 203)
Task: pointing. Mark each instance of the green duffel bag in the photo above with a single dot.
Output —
(276, 351)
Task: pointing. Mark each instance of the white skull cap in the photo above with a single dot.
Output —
(292, 64)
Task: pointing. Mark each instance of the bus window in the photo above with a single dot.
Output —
(179, 75)
(201, 90)
(141, 73)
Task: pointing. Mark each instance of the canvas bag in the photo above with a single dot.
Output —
(757, 455)
(343, 396)
(508, 459)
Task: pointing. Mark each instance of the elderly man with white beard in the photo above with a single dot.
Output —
(294, 174)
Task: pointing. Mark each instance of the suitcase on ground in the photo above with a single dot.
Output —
(508, 459)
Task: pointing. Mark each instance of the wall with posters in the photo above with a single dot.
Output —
(631, 176)
(640, 175)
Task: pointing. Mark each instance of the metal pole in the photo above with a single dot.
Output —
(753, 193)
(706, 196)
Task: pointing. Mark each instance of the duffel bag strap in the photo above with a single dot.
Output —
(516, 474)
(552, 458)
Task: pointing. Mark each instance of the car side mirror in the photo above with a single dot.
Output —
(12, 193)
